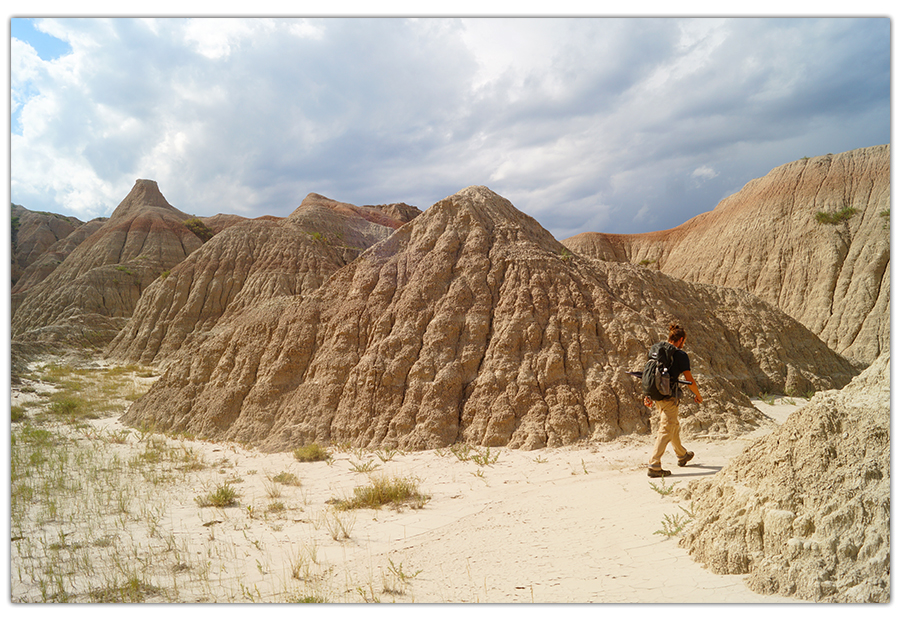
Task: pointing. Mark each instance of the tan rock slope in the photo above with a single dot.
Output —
(45, 263)
(247, 264)
(767, 239)
(806, 510)
(33, 233)
(472, 323)
(88, 298)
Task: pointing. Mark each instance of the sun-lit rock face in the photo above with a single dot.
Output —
(806, 510)
(773, 238)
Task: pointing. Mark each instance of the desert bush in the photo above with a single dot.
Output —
(836, 217)
(311, 453)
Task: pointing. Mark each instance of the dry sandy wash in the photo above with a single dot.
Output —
(571, 524)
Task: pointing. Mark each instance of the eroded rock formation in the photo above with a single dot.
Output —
(90, 295)
(247, 264)
(805, 511)
(769, 239)
(473, 323)
(33, 233)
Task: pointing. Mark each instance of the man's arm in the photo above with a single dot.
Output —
(693, 387)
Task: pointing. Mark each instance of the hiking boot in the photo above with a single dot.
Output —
(683, 460)
(658, 472)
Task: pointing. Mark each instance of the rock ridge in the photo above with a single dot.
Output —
(245, 265)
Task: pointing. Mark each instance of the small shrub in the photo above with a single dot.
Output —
(312, 598)
(662, 489)
(288, 479)
(224, 496)
(836, 217)
(672, 525)
(199, 228)
(276, 506)
(311, 453)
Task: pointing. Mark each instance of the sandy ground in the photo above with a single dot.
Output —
(571, 524)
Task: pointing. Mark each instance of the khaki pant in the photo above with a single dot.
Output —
(669, 432)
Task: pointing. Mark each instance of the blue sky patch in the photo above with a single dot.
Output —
(47, 47)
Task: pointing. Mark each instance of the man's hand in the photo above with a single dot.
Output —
(648, 402)
(698, 398)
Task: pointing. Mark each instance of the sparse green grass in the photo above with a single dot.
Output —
(383, 490)
(312, 453)
(467, 453)
(17, 413)
(199, 228)
(286, 478)
(363, 467)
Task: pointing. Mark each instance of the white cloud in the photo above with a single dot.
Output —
(584, 122)
(704, 172)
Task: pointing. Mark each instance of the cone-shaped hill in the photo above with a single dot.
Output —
(245, 265)
(88, 297)
(473, 323)
(812, 237)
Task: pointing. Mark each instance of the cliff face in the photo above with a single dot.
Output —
(245, 265)
(770, 239)
(89, 296)
(806, 510)
(472, 323)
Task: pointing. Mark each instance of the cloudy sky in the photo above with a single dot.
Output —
(587, 124)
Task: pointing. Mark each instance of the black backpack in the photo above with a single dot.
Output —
(657, 380)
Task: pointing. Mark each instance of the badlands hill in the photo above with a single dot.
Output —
(247, 264)
(770, 239)
(806, 510)
(33, 233)
(89, 296)
(472, 323)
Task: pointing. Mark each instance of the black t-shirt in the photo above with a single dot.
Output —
(680, 364)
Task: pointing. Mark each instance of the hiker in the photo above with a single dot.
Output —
(669, 429)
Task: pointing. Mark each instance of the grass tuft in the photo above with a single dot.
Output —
(383, 490)
(224, 496)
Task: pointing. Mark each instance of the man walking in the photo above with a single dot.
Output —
(669, 428)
